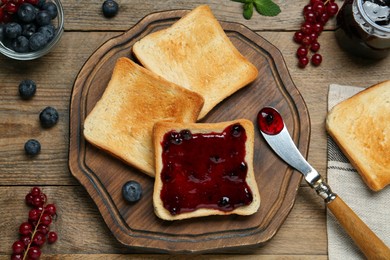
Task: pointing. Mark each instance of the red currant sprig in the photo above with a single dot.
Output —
(36, 231)
(316, 14)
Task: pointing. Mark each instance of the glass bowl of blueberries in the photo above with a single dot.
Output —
(30, 29)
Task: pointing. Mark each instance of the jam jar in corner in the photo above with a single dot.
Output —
(364, 28)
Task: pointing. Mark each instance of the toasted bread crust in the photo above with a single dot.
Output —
(196, 53)
(121, 122)
(360, 127)
(161, 128)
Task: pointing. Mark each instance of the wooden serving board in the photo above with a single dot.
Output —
(102, 175)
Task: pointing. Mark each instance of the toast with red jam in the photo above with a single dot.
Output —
(204, 169)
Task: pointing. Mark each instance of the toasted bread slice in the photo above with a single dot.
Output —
(360, 126)
(195, 53)
(122, 120)
(204, 169)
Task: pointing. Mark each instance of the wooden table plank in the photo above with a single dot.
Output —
(83, 233)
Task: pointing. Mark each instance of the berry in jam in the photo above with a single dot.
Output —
(270, 121)
(205, 170)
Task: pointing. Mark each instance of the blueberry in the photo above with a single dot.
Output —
(48, 117)
(27, 13)
(37, 41)
(224, 202)
(236, 130)
(132, 191)
(48, 31)
(175, 138)
(32, 147)
(51, 8)
(2, 32)
(40, 3)
(110, 8)
(186, 134)
(20, 44)
(27, 88)
(29, 29)
(243, 166)
(13, 30)
(43, 18)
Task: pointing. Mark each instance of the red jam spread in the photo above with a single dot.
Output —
(204, 170)
(270, 121)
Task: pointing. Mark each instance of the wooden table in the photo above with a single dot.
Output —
(82, 231)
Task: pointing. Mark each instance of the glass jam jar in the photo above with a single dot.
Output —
(357, 31)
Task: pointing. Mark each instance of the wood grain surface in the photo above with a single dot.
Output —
(82, 231)
(103, 176)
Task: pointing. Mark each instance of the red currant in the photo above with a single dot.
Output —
(315, 46)
(16, 257)
(313, 37)
(302, 51)
(323, 18)
(18, 3)
(36, 231)
(18, 247)
(37, 201)
(306, 41)
(34, 252)
(39, 239)
(51, 209)
(310, 17)
(1, 13)
(298, 36)
(303, 61)
(316, 59)
(318, 28)
(34, 214)
(43, 229)
(25, 228)
(26, 239)
(11, 8)
(306, 28)
(307, 8)
(35, 191)
(29, 199)
(332, 9)
(33, 2)
(52, 237)
(319, 8)
(46, 219)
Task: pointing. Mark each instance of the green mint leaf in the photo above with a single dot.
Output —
(243, 1)
(267, 7)
(248, 11)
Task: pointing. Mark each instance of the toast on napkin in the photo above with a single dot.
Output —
(204, 169)
(195, 53)
(121, 122)
(360, 126)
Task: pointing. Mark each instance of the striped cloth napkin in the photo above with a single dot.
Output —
(372, 207)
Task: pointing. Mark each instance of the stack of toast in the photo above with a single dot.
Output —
(187, 69)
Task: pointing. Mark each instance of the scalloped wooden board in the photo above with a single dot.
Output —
(102, 175)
